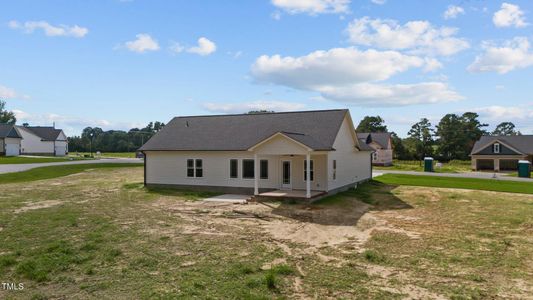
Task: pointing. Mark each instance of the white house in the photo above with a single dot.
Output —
(43, 140)
(381, 143)
(9, 140)
(257, 153)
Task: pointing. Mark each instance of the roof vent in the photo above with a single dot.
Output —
(186, 123)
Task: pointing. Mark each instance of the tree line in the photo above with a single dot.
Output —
(452, 138)
(94, 139)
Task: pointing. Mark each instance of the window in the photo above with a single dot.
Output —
(190, 167)
(233, 168)
(199, 169)
(496, 148)
(374, 156)
(263, 169)
(248, 169)
(334, 169)
(195, 168)
(312, 171)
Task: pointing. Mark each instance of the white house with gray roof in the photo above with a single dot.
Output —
(501, 153)
(43, 140)
(9, 140)
(258, 153)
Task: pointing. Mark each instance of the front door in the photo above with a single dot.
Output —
(286, 181)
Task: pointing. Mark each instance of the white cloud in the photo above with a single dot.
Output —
(72, 125)
(176, 47)
(502, 113)
(9, 93)
(418, 37)
(50, 30)
(313, 7)
(453, 11)
(369, 94)
(249, 106)
(379, 2)
(143, 43)
(205, 47)
(347, 75)
(509, 15)
(336, 66)
(513, 54)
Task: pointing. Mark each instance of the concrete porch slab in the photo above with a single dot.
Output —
(230, 198)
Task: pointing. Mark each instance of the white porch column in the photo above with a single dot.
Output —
(256, 175)
(308, 175)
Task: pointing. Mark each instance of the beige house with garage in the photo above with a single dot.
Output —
(310, 153)
(501, 153)
(381, 143)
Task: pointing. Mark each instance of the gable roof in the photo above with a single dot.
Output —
(522, 143)
(46, 133)
(314, 129)
(8, 131)
(381, 138)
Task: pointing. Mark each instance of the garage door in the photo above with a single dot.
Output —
(485, 164)
(12, 149)
(61, 150)
(508, 164)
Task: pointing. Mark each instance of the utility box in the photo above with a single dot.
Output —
(524, 168)
(428, 164)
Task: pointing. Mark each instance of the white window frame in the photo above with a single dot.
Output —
(242, 167)
(312, 172)
(334, 169)
(237, 175)
(195, 167)
(496, 148)
(260, 169)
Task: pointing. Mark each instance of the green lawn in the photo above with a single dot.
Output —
(34, 159)
(106, 154)
(101, 235)
(460, 183)
(57, 171)
(454, 166)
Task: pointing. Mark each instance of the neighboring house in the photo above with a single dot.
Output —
(501, 153)
(381, 143)
(9, 140)
(43, 140)
(256, 153)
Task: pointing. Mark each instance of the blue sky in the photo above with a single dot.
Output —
(118, 64)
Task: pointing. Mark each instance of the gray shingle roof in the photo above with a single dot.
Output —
(8, 131)
(522, 143)
(46, 133)
(315, 129)
(381, 138)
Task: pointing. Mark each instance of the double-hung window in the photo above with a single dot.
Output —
(233, 168)
(195, 168)
(263, 169)
(334, 169)
(312, 170)
(248, 169)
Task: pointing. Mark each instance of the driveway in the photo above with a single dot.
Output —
(7, 168)
(479, 175)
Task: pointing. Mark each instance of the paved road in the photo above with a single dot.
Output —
(480, 175)
(10, 168)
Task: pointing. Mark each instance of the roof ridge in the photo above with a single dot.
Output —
(262, 113)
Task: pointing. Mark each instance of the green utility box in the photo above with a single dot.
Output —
(524, 168)
(428, 164)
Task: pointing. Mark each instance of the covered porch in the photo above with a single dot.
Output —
(300, 172)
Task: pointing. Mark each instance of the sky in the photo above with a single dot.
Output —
(118, 64)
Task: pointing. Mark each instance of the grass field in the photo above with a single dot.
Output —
(454, 166)
(106, 154)
(34, 159)
(462, 183)
(57, 171)
(100, 234)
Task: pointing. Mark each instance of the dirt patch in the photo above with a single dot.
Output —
(37, 205)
